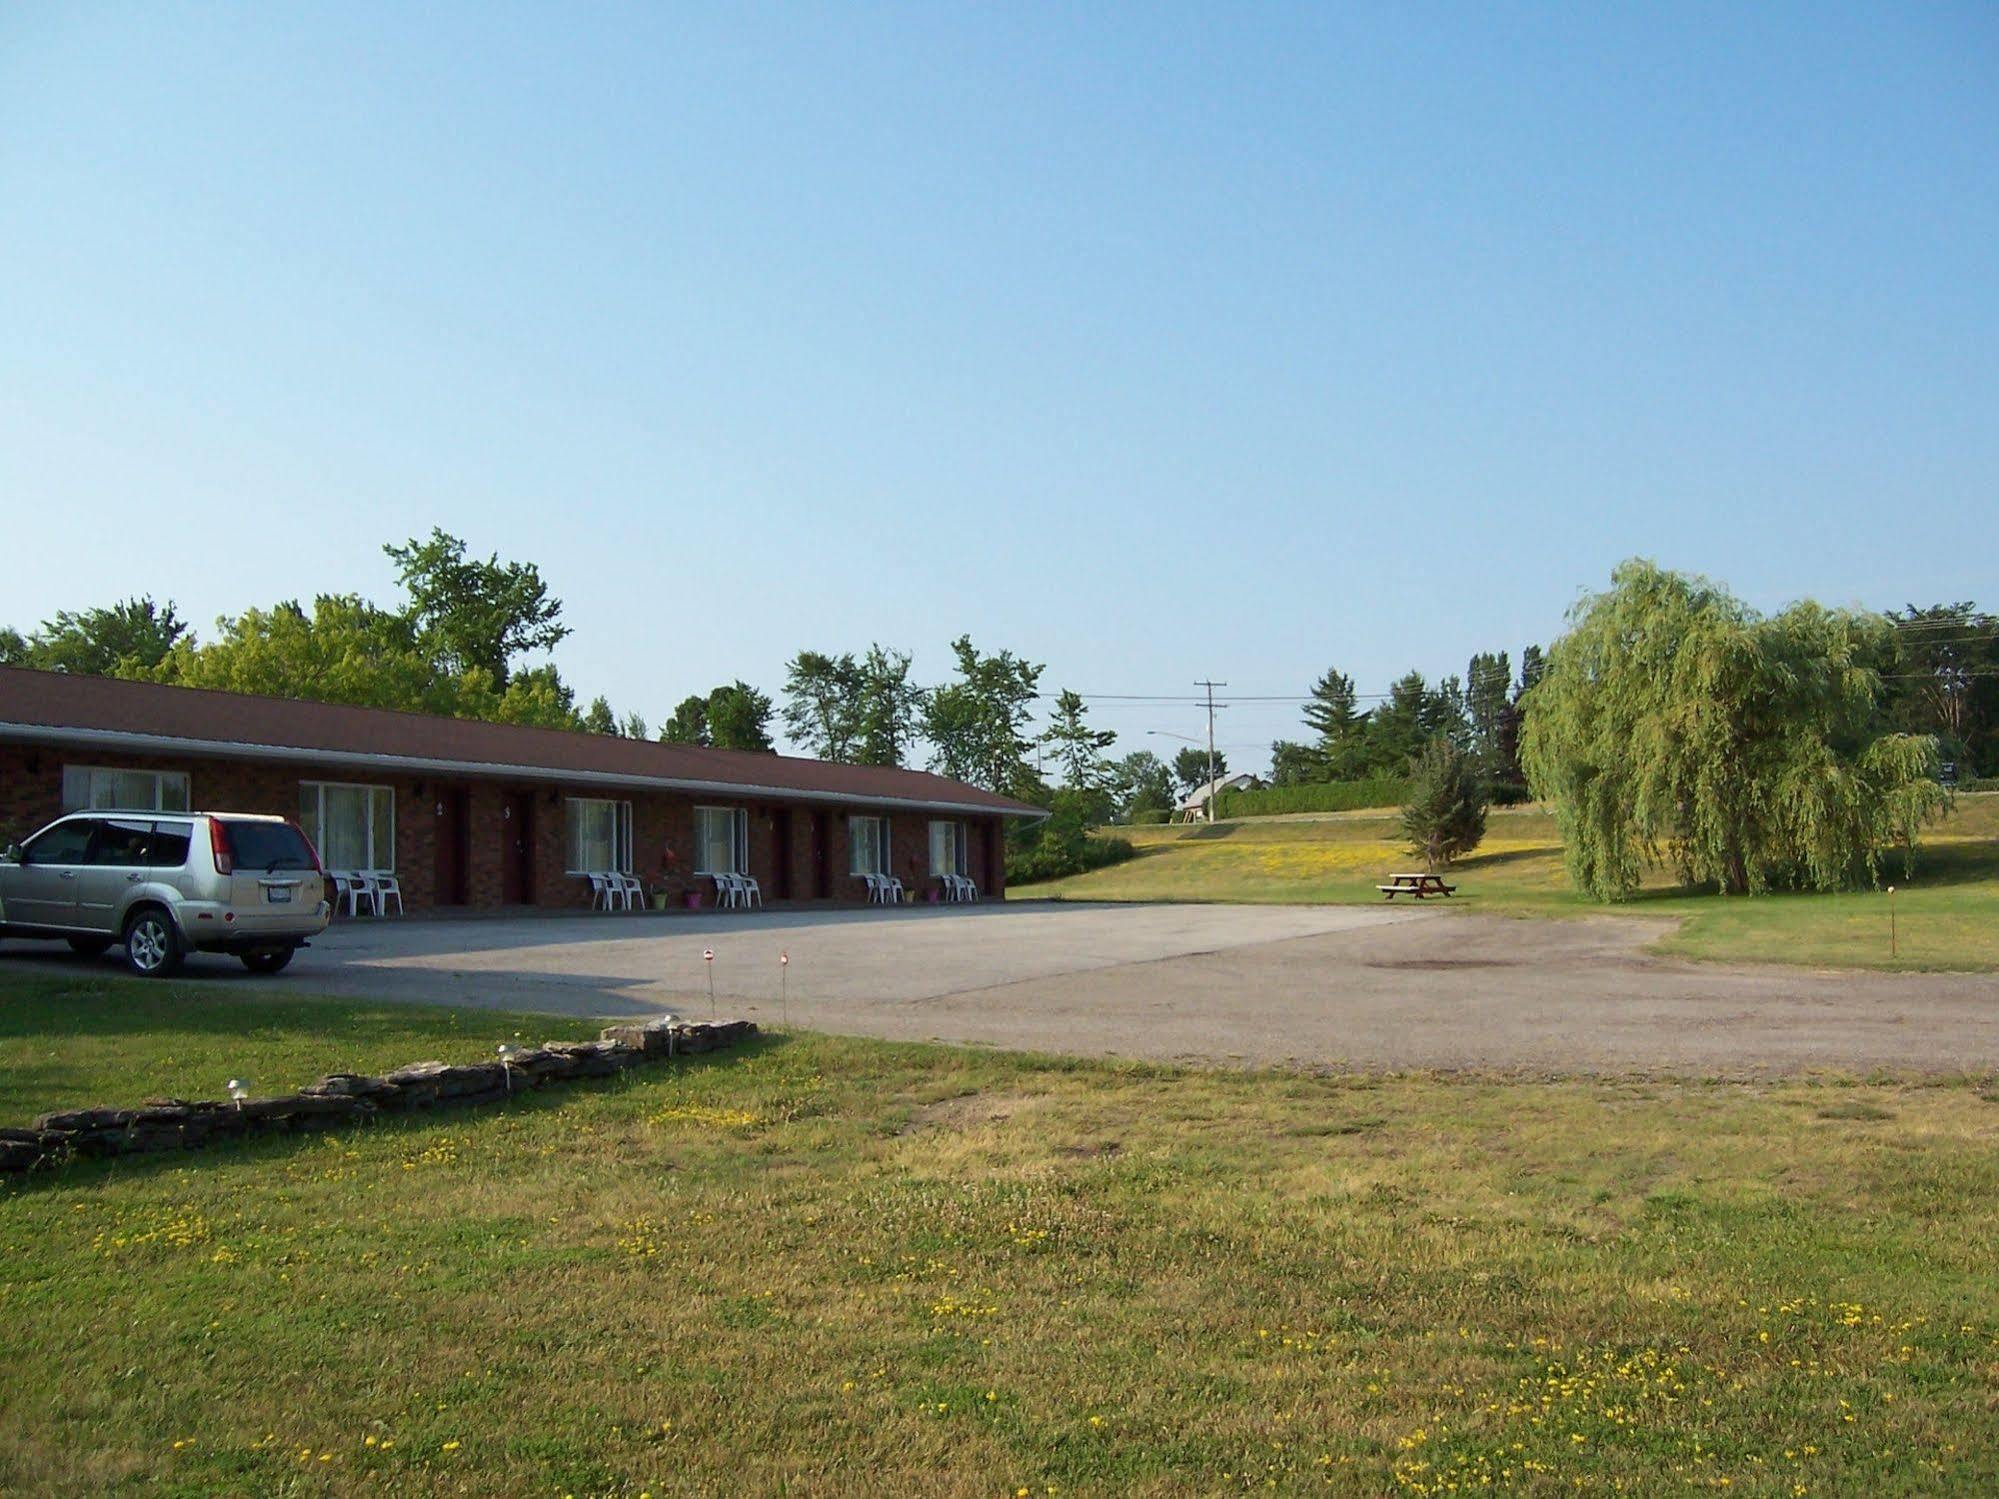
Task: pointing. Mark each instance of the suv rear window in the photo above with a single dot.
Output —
(267, 846)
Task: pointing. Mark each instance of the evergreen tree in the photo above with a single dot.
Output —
(1444, 714)
(1078, 748)
(1445, 816)
(1333, 713)
(1398, 729)
(1533, 663)
(598, 717)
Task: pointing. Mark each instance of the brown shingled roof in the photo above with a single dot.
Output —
(57, 707)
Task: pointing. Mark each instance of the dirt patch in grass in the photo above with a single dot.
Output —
(967, 1111)
(1855, 1109)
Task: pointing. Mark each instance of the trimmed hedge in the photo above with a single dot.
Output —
(1325, 796)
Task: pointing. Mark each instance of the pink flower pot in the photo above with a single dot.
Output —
(694, 900)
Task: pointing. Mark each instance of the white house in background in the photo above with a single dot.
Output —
(1194, 805)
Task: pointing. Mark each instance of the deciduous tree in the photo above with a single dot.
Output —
(739, 718)
(688, 723)
(130, 637)
(1674, 724)
(477, 614)
(977, 726)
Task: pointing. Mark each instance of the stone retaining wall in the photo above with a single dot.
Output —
(347, 1098)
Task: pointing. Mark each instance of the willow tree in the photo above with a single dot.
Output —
(1675, 726)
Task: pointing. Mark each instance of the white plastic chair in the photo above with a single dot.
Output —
(874, 884)
(633, 889)
(726, 892)
(387, 887)
(351, 888)
(891, 889)
(600, 891)
(751, 892)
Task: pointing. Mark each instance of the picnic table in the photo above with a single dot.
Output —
(1418, 885)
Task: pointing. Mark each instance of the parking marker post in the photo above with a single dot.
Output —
(708, 958)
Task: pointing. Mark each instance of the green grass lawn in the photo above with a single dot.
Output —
(1947, 915)
(822, 1266)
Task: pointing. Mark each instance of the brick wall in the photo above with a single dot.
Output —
(662, 828)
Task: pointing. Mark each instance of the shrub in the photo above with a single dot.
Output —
(1060, 844)
(1152, 817)
(1322, 796)
(1054, 859)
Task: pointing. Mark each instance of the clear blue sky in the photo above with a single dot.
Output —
(1152, 342)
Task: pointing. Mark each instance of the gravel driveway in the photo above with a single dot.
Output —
(1378, 987)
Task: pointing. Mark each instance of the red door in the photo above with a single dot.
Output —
(517, 849)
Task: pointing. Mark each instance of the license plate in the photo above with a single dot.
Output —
(278, 895)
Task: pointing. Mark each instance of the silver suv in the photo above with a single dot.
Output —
(165, 884)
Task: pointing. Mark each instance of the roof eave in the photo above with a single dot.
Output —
(143, 743)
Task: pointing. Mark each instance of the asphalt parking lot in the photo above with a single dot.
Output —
(1378, 987)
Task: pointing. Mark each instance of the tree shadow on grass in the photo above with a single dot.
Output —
(84, 1172)
(1504, 857)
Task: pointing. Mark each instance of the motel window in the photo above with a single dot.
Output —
(97, 788)
(721, 840)
(867, 845)
(600, 836)
(353, 827)
(947, 847)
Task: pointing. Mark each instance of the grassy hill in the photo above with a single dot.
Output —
(1947, 914)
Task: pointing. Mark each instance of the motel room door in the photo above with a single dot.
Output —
(517, 849)
(822, 855)
(780, 837)
(454, 846)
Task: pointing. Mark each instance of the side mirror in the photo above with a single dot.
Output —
(11, 854)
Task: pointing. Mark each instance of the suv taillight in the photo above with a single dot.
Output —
(318, 864)
(218, 843)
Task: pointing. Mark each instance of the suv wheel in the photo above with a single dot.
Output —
(152, 944)
(268, 959)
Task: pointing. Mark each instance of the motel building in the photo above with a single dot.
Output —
(489, 815)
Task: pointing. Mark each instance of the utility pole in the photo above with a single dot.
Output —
(1211, 686)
